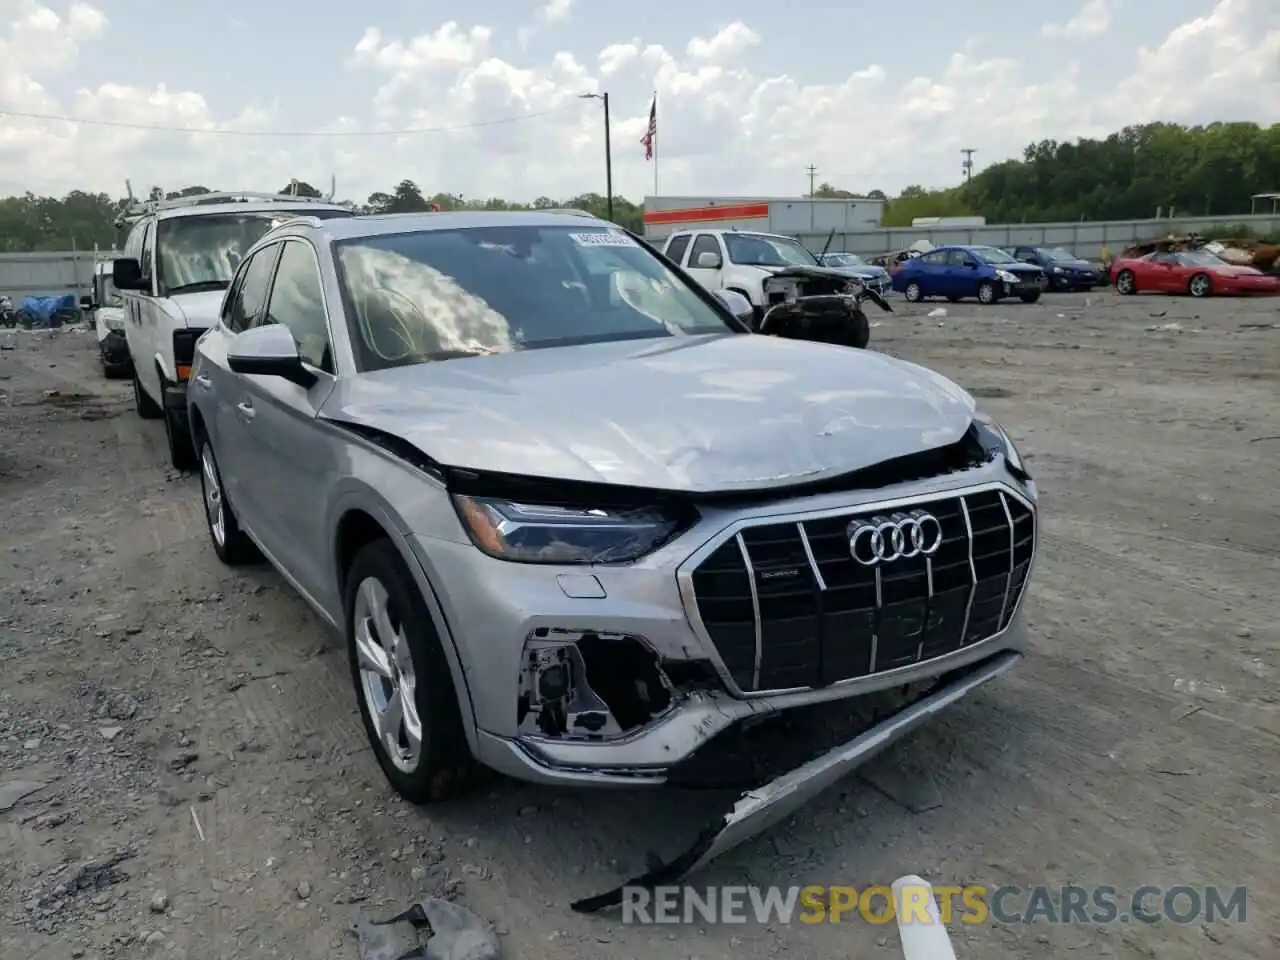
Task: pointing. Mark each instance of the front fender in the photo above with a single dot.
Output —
(353, 494)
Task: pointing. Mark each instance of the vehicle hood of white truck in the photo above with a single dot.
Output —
(697, 415)
(199, 309)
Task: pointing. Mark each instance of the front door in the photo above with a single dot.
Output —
(709, 277)
(289, 460)
(231, 418)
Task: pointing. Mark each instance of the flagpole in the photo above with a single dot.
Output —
(655, 145)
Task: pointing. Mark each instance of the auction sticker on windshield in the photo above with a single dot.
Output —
(602, 239)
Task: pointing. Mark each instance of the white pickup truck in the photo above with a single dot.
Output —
(178, 260)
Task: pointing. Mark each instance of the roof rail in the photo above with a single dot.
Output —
(571, 211)
(141, 208)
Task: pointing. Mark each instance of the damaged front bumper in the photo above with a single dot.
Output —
(763, 806)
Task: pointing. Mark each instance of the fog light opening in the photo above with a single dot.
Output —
(589, 686)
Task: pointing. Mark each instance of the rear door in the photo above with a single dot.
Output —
(932, 274)
(676, 248)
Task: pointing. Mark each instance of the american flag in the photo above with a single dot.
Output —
(651, 134)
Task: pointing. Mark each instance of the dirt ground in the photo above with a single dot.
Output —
(208, 792)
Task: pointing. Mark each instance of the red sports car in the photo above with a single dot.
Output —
(1196, 272)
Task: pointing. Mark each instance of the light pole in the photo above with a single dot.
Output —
(608, 152)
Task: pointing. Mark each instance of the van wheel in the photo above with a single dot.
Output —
(182, 453)
(147, 408)
(402, 679)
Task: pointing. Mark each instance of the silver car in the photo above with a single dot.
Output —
(578, 525)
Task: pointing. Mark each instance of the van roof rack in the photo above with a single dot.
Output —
(133, 209)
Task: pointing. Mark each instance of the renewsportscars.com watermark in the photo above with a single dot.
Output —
(966, 904)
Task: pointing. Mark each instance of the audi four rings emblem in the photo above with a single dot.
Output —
(899, 536)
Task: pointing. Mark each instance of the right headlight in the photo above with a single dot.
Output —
(1006, 276)
(543, 533)
(994, 437)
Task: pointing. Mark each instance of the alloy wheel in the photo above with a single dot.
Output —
(213, 506)
(388, 679)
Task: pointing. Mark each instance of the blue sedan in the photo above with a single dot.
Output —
(957, 272)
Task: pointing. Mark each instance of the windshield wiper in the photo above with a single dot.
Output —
(198, 287)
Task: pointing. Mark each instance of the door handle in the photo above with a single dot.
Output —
(246, 409)
(203, 381)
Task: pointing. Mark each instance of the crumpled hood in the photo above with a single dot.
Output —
(199, 309)
(721, 413)
(1074, 265)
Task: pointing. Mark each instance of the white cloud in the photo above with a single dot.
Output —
(556, 10)
(1093, 20)
(725, 125)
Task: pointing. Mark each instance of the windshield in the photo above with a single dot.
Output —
(843, 260)
(757, 250)
(992, 255)
(202, 252)
(438, 294)
(1057, 253)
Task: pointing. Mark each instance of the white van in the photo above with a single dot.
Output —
(179, 257)
(106, 312)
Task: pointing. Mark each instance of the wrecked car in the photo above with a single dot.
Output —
(579, 524)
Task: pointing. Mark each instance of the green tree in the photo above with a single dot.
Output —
(299, 188)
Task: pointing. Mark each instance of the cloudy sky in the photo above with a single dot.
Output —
(874, 95)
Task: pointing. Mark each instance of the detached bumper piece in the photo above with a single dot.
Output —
(429, 930)
(770, 802)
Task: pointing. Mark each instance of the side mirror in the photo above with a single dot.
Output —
(269, 351)
(971, 264)
(738, 305)
(126, 274)
(86, 303)
(709, 261)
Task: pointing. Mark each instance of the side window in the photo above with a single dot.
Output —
(133, 244)
(676, 248)
(958, 258)
(297, 302)
(147, 257)
(706, 243)
(244, 300)
(935, 259)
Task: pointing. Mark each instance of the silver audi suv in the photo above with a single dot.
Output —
(577, 524)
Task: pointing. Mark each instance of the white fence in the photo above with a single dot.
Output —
(48, 273)
(1085, 239)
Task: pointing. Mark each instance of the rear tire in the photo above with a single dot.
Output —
(382, 597)
(230, 543)
(147, 408)
(913, 292)
(861, 330)
(1200, 285)
(1126, 283)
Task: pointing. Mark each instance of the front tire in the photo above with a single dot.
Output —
(230, 543)
(1126, 283)
(987, 292)
(1200, 286)
(182, 452)
(913, 292)
(861, 330)
(147, 408)
(1029, 297)
(402, 679)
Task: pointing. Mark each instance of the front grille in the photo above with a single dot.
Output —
(787, 606)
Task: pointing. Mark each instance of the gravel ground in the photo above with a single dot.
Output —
(207, 791)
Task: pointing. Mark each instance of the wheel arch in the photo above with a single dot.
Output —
(360, 521)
